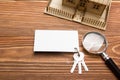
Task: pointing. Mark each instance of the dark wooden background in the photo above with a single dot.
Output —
(19, 20)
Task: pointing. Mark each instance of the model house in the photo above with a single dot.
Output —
(93, 6)
(89, 12)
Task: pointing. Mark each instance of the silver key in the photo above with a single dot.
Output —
(80, 62)
(84, 65)
(75, 56)
(76, 61)
(83, 62)
(79, 67)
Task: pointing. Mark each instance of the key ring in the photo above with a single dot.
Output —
(80, 54)
(78, 60)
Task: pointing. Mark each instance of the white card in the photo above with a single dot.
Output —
(56, 41)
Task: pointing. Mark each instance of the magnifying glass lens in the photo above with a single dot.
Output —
(94, 43)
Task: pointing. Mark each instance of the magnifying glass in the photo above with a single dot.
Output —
(96, 43)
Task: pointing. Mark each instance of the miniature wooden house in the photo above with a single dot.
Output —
(89, 12)
(93, 6)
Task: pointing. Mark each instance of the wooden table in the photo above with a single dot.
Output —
(19, 20)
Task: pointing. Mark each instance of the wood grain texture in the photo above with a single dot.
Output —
(19, 20)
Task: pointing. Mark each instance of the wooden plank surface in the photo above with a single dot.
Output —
(19, 20)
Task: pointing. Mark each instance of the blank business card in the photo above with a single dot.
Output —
(56, 41)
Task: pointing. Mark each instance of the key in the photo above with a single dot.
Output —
(75, 56)
(80, 62)
(79, 67)
(83, 62)
(76, 61)
(84, 65)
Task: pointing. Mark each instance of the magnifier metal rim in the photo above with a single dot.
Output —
(100, 35)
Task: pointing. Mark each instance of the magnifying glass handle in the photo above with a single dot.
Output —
(109, 62)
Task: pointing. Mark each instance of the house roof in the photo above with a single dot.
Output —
(105, 2)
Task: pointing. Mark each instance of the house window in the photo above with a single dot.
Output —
(82, 4)
(84, 1)
(71, 1)
(81, 0)
(96, 6)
